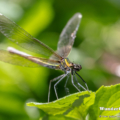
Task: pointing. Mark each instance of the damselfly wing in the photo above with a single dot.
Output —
(54, 60)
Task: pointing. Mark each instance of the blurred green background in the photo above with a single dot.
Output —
(96, 48)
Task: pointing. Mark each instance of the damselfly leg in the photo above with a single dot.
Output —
(58, 82)
(55, 79)
(67, 89)
(76, 81)
(83, 81)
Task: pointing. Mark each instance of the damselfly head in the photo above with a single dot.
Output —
(77, 67)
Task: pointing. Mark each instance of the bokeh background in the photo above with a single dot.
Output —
(96, 48)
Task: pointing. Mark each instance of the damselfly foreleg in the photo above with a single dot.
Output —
(76, 81)
(83, 81)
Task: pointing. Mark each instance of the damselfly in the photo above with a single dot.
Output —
(54, 60)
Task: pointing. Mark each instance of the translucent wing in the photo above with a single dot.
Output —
(19, 36)
(27, 61)
(15, 59)
(68, 35)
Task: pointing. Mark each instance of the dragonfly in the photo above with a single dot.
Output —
(52, 59)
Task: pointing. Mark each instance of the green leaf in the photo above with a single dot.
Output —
(106, 97)
(104, 105)
(56, 117)
(74, 106)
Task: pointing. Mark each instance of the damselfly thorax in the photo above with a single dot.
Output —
(66, 65)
